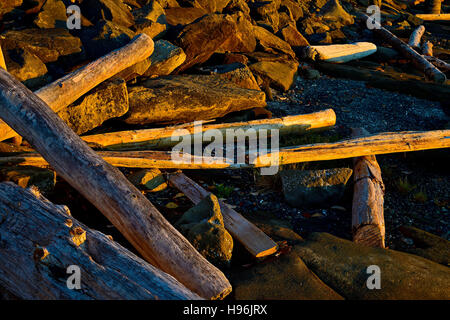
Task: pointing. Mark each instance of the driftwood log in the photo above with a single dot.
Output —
(251, 237)
(434, 17)
(442, 65)
(162, 137)
(368, 199)
(40, 241)
(2, 60)
(340, 53)
(107, 188)
(434, 6)
(417, 59)
(416, 36)
(62, 92)
(427, 49)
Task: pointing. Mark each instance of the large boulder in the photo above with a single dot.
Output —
(304, 188)
(266, 13)
(47, 44)
(151, 20)
(108, 100)
(52, 15)
(203, 226)
(271, 43)
(178, 99)
(111, 10)
(286, 278)
(183, 16)
(8, 6)
(210, 6)
(291, 35)
(243, 40)
(165, 59)
(277, 74)
(343, 265)
(236, 73)
(334, 15)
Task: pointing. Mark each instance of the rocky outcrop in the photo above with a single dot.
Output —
(271, 43)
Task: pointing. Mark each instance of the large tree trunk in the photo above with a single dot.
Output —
(252, 238)
(368, 199)
(162, 137)
(106, 188)
(417, 59)
(41, 240)
(68, 89)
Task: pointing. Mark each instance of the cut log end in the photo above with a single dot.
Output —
(369, 235)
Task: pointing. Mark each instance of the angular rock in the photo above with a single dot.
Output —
(134, 71)
(148, 179)
(108, 100)
(235, 57)
(293, 8)
(286, 278)
(234, 6)
(153, 29)
(291, 35)
(178, 99)
(203, 37)
(183, 16)
(151, 12)
(428, 245)
(8, 6)
(278, 74)
(47, 44)
(203, 227)
(52, 15)
(343, 265)
(44, 179)
(243, 39)
(165, 58)
(111, 10)
(266, 13)
(169, 3)
(210, 6)
(271, 43)
(334, 15)
(237, 73)
(314, 187)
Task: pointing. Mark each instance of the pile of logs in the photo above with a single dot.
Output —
(40, 240)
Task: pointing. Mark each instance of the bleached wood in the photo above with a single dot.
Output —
(427, 49)
(2, 60)
(108, 190)
(62, 92)
(434, 17)
(441, 65)
(416, 36)
(162, 137)
(341, 53)
(250, 236)
(368, 199)
(41, 238)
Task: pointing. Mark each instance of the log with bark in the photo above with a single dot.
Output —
(108, 190)
(442, 65)
(250, 236)
(417, 59)
(368, 199)
(62, 92)
(41, 241)
(434, 17)
(340, 53)
(170, 136)
(416, 36)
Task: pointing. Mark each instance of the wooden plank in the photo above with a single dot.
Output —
(43, 238)
(253, 239)
(368, 199)
(62, 92)
(108, 190)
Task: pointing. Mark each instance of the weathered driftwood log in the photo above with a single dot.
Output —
(2, 60)
(442, 65)
(62, 92)
(368, 199)
(41, 241)
(416, 36)
(434, 6)
(107, 188)
(162, 137)
(382, 143)
(417, 59)
(434, 17)
(384, 80)
(340, 53)
(251, 237)
(427, 49)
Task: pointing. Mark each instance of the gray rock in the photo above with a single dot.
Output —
(203, 227)
(342, 265)
(314, 187)
(165, 59)
(108, 100)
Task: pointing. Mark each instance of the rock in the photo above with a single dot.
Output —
(168, 3)
(203, 226)
(342, 265)
(243, 39)
(104, 37)
(428, 245)
(47, 44)
(303, 188)
(148, 179)
(294, 38)
(266, 13)
(311, 74)
(210, 6)
(203, 37)
(313, 25)
(286, 278)
(293, 8)
(153, 29)
(238, 74)
(151, 12)
(237, 6)
(134, 71)
(278, 74)
(44, 179)
(111, 10)
(186, 98)
(8, 6)
(230, 58)
(108, 100)
(271, 43)
(52, 15)
(165, 58)
(335, 16)
(183, 16)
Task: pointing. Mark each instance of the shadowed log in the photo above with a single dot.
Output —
(107, 188)
(442, 65)
(368, 199)
(41, 241)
